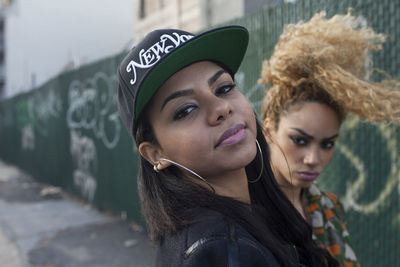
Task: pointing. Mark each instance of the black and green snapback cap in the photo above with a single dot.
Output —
(164, 52)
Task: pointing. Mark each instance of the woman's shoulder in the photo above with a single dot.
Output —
(213, 240)
(324, 198)
(324, 209)
(328, 222)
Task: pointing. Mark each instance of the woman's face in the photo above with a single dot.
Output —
(306, 135)
(202, 121)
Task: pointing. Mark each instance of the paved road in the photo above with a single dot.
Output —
(41, 226)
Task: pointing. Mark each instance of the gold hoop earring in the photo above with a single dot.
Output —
(262, 164)
(155, 167)
(189, 170)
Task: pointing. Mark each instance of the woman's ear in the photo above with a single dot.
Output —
(150, 152)
(267, 130)
(153, 154)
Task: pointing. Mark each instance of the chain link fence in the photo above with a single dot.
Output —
(364, 171)
(67, 132)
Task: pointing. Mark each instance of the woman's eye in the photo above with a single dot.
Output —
(224, 89)
(183, 112)
(298, 140)
(328, 144)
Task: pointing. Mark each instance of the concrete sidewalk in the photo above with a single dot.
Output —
(40, 226)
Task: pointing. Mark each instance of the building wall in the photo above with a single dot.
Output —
(158, 14)
(189, 15)
(220, 11)
(2, 54)
(154, 16)
(3, 8)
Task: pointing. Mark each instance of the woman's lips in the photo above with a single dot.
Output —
(308, 175)
(232, 136)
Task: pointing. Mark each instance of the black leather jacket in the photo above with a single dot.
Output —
(213, 240)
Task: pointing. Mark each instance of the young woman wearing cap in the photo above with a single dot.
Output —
(316, 74)
(206, 187)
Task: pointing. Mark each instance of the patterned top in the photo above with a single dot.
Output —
(330, 232)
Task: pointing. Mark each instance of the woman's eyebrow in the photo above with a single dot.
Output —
(312, 137)
(215, 77)
(303, 133)
(177, 94)
(332, 137)
(187, 92)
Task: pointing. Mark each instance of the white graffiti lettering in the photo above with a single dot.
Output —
(86, 183)
(47, 105)
(28, 137)
(84, 154)
(92, 106)
(350, 200)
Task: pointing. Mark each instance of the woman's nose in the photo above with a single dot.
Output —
(219, 110)
(312, 156)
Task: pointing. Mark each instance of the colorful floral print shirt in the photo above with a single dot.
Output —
(330, 232)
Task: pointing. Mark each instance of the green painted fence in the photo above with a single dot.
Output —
(67, 132)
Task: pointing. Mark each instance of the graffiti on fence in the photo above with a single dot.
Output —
(28, 137)
(388, 134)
(46, 105)
(22, 112)
(84, 154)
(92, 106)
(33, 114)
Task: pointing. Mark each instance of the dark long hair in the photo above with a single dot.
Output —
(167, 200)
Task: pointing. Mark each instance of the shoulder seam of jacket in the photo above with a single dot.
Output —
(254, 245)
(201, 242)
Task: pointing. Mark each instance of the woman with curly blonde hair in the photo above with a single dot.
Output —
(317, 75)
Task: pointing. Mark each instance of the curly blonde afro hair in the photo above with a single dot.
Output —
(326, 61)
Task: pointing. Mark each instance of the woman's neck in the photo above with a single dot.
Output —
(233, 184)
(292, 193)
(294, 196)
